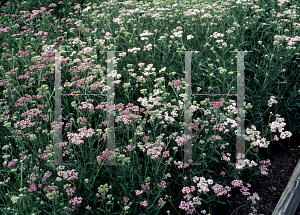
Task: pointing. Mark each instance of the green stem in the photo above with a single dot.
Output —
(159, 191)
(237, 208)
(173, 206)
(21, 175)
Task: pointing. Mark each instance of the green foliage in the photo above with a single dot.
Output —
(270, 70)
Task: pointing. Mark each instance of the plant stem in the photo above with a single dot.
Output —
(21, 175)
(237, 208)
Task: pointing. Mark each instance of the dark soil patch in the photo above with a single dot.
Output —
(272, 186)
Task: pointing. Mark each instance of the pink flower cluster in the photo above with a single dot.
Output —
(46, 175)
(129, 148)
(126, 199)
(144, 204)
(70, 191)
(220, 190)
(76, 138)
(138, 192)
(50, 188)
(177, 83)
(26, 53)
(186, 206)
(42, 156)
(180, 164)
(263, 168)
(195, 126)
(32, 177)
(86, 105)
(103, 156)
(74, 201)
(146, 138)
(145, 187)
(11, 163)
(226, 158)
(218, 104)
(280, 125)
(272, 101)
(239, 183)
(216, 137)
(32, 188)
(126, 116)
(179, 140)
(155, 151)
(162, 184)
(202, 185)
(68, 175)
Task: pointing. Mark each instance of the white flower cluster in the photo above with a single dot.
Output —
(202, 184)
(242, 162)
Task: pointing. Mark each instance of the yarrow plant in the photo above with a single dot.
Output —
(149, 173)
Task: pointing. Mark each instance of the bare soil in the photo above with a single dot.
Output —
(271, 187)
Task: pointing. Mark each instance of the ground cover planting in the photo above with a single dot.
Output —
(149, 40)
